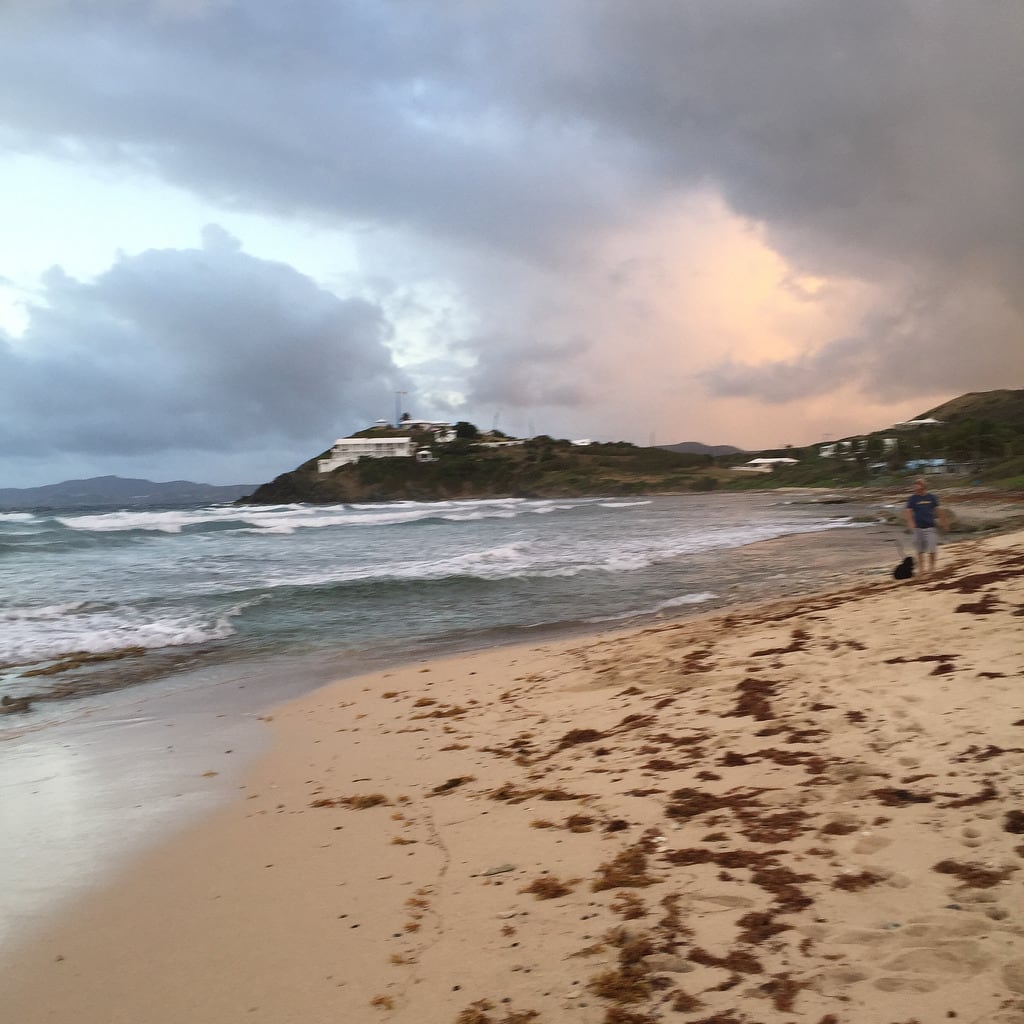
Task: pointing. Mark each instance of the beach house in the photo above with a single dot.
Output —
(352, 449)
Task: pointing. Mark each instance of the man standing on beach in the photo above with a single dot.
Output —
(920, 514)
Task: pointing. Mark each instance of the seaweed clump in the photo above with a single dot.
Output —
(627, 870)
(479, 1013)
(973, 875)
(550, 887)
(357, 803)
(630, 981)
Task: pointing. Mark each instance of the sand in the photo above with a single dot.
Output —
(806, 809)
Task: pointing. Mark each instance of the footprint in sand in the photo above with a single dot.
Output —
(870, 843)
(862, 937)
(945, 960)
(1013, 976)
(1010, 1017)
(923, 933)
(834, 980)
(895, 880)
(971, 838)
(925, 969)
(893, 984)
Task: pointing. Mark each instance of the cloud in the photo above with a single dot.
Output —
(358, 113)
(847, 129)
(709, 218)
(203, 350)
(530, 373)
(916, 343)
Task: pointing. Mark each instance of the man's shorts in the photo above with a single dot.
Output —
(926, 541)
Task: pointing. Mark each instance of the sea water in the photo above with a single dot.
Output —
(94, 601)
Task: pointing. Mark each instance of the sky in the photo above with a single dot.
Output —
(234, 230)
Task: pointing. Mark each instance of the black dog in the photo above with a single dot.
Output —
(905, 569)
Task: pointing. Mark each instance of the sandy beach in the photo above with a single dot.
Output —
(803, 809)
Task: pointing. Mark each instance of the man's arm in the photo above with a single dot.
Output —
(908, 516)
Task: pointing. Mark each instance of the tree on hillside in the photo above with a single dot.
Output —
(874, 449)
(898, 455)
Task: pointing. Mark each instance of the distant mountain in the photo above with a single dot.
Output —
(115, 490)
(697, 448)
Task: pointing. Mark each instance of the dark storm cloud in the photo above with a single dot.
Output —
(206, 349)
(365, 112)
(881, 140)
(891, 126)
(530, 373)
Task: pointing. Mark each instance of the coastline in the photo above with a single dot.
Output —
(740, 812)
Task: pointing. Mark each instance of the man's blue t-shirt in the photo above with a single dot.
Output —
(923, 507)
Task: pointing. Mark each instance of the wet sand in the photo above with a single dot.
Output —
(803, 808)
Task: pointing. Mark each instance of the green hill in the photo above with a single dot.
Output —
(541, 468)
(981, 434)
(1002, 408)
(979, 437)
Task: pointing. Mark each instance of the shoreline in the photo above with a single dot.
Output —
(97, 680)
(84, 796)
(738, 812)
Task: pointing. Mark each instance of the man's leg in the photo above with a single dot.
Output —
(930, 548)
(920, 558)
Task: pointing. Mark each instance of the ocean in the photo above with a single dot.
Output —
(110, 599)
(148, 642)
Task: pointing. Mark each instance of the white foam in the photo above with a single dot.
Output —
(469, 517)
(661, 606)
(676, 602)
(288, 518)
(43, 613)
(120, 522)
(500, 562)
(31, 639)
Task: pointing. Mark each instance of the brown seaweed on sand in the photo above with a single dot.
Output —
(855, 883)
(753, 701)
(360, 802)
(550, 887)
(628, 869)
(976, 876)
(479, 1013)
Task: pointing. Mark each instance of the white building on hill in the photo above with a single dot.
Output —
(444, 433)
(352, 449)
(764, 465)
(914, 424)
